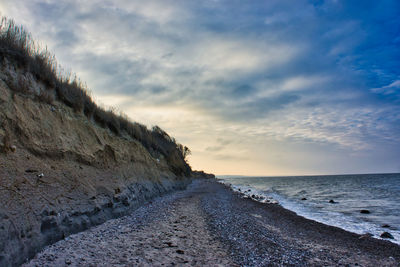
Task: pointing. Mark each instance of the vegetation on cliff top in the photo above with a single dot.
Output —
(17, 46)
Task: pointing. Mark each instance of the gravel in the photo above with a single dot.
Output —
(209, 225)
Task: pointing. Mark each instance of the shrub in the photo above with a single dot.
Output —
(44, 68)
(46, 96)
(20, 85)
(113, 122)
(89, 107)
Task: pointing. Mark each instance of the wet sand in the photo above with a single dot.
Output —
(209, 225)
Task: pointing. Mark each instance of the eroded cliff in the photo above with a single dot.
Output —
(60, 172)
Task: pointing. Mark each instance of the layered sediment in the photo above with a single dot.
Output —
(60, 173)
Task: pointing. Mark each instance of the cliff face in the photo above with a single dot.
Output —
(60, 173)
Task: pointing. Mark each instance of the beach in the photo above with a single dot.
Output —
(210, 225)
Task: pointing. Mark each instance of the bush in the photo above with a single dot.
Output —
(44, 68)
(46, 96)
(19, 85)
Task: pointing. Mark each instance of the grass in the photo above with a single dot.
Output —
(17, 46)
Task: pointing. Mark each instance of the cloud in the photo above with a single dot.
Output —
(221, 145)
(391, 89)
(229, 157)
(257, 71)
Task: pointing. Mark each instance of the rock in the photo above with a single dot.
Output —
(387, 235)
(253, 196)
(385, 226)
(332, 201)
(304, 198)
(180, 251)
(31, 170)
(40, 175)
(365, 211)
(366, 235)
(13, 148)
(170, 244)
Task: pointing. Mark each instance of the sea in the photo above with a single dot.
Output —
(312, 197)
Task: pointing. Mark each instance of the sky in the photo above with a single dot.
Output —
(275, 87)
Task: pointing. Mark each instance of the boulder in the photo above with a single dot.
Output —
(365, 211)
(387, 235)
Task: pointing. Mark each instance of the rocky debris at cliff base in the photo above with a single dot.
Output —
(172, 230)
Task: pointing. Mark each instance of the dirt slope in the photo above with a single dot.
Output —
(60, 173)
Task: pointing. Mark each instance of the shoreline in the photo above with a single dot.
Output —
(256, 196)
(208, 224)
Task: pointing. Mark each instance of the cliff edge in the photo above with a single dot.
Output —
(65, 163)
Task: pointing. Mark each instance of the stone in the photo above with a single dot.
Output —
(31, 170)
(365, 211)
(304, 198)
(180, 251)
(387, 235)
(366, 235)
(332, 201)
(385, 226)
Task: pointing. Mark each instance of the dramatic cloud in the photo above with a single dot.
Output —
(253, 87)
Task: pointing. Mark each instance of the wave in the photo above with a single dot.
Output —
(347, 219)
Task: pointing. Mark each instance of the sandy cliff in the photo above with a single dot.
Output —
(61, 173)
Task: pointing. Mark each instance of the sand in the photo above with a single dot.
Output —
(209, 225)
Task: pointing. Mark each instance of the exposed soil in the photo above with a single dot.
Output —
(60, 173)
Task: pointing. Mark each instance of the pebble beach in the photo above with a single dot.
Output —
(210, 225)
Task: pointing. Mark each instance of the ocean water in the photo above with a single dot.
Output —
(378, 193)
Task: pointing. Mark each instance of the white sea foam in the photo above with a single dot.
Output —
(351, 193)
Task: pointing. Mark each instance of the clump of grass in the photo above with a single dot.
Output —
(46, 96)
(19, 84)
(17, 46)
